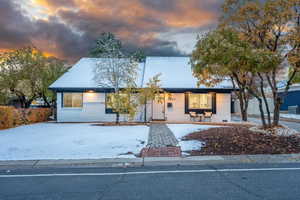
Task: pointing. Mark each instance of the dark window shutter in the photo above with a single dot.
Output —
(186, 103)
(214, 103)
(62, 100)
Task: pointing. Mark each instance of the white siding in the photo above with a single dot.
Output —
(94, 109)
(223, 106)
(177, 112)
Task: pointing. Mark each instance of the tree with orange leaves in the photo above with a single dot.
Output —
(274, 26)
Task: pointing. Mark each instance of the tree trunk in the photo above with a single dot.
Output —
(262, 115)
(22, 100)
(268, 110)
(118, 105)
(276, 114)
(278, 100)
(46, 101)
(22, 103)
(260, 105)
(145, 111)
(244, 115)
(28, 103)
(243, 107)
(118, 118)
(243, 100)
(262, 91)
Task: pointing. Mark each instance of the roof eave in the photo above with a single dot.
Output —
(172, 90)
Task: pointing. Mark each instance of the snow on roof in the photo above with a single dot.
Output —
(81, 75)
(175, 72)
(293, 87)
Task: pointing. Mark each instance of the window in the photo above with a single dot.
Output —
(72, 100)
(110, 101)
(200, 101)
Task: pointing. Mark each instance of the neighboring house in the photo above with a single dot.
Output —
(292, 98)
(80, 99)
(253, 106)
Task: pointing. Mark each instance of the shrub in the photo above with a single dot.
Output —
(11, 117)
(37, 115)
(6, 117)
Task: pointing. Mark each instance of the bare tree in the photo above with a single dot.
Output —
(115, 70)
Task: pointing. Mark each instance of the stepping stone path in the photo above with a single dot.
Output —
(161, 142)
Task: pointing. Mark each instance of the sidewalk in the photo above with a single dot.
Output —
(150, 161)
(294, 124)
(282, 118)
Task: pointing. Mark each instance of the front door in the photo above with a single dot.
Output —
(158, 108)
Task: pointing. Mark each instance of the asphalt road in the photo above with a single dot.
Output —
(242, 182)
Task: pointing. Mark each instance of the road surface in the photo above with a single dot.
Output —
(243, 181)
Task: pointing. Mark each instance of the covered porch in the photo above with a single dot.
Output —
(191, 106)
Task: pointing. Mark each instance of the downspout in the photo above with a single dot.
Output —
(143, 75)
(142, 83)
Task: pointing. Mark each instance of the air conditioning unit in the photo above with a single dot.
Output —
(293, 110)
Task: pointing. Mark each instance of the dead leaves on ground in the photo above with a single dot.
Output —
(240, 140)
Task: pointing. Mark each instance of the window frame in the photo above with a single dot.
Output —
(109, 110)
(199, 98)
(200, 110)
(67, 107)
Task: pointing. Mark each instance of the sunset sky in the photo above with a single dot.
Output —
(68, 28)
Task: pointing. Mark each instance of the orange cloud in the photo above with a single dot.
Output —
(187, 13)
(4, 50)
(44, 3)
(68, 28)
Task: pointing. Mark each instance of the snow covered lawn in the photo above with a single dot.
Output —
(71, 141)
(181, 130)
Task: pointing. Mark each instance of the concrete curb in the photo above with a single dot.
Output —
(150, 161)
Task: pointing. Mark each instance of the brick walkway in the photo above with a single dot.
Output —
(161, 136)
(161, 143)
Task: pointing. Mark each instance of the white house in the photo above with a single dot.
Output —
(80, 99)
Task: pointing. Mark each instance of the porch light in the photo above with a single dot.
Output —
(90, 91)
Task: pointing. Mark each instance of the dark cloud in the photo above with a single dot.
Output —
(172, 5)
(165, 5)
(71, 31)
(14, 28)
(60, 39)
(57, 3)
(158, 48)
